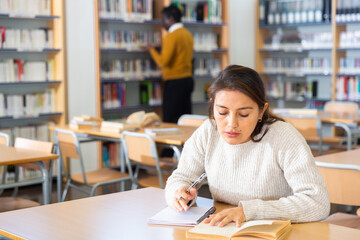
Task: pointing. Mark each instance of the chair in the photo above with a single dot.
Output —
(13, 203)
(4, 140)
(191, 120)
(309, 125)
(342, 182)
(141, 148)
(69, 147)
(349, 107)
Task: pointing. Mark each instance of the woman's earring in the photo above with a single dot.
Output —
(260, 119)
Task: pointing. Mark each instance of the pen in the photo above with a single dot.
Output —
(206, 215)
(199, 180)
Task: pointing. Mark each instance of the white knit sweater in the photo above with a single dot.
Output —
(275, 178)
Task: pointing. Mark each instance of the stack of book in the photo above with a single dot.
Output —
(85, 122)
(118, 127)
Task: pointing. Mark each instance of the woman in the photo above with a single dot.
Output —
(252, 158)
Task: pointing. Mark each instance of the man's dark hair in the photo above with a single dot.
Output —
(172, 11)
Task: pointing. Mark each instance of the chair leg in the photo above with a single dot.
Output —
(66, 189)
(16, 189)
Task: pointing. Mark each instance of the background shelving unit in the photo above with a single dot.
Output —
(26, 123)
(341, 22)
(201, 78)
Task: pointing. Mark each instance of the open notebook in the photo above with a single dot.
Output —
(259, 229)
(169, 216)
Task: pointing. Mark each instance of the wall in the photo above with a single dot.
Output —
(81, 68)
(242, 32)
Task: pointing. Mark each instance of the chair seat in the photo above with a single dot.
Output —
(168, 163)
(13, 203)
(153, 181)
(344, 219)
(98, 176)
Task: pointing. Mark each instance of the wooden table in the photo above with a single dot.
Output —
(342, 159)
(124, 216)
(177, 140)
(12, 155)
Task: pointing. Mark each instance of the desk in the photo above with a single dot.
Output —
(12, 155)
(124, 216)
(96, 134)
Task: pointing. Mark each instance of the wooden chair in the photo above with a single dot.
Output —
(191, 120)
(141, 148)
(69, 148)
(310, 127)
(342, 182)
(4, 140)
(13, 203)
(349, 107)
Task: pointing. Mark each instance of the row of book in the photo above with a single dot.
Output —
(347, 88)
(113, 95)
(129, 69)
(18, 70)
(292, 90)
(316, 105)
(348, 11)
(207, 66)
(25, 8)
(111, 153)
(127, 10)
(26, 39)
(129, 40)
(350, 39)
(206, 41)
(300, 41)
(150, 93)
(28, 104)
(209, 11)
(296, 66)
(349, 65)
(274, 12)
(40, 133)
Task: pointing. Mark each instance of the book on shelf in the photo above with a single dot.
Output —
(258, 229)
(168, 216)
(26, 8)
(118, 127)
(163, 131)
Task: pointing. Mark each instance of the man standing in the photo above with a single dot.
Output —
(175, 60)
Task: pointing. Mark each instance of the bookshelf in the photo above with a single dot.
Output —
(113, 53)
(313, 61)
(32, 69)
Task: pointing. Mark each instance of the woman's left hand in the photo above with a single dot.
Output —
(226, 216)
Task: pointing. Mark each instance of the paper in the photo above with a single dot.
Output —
(169, 216)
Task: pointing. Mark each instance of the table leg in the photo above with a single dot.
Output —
(45, 184)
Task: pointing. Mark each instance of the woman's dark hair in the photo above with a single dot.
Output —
(172, 11)
(248, 82)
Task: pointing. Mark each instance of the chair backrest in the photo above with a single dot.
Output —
(140, 147)
(307, 125)
(334, 106)
(191, 120)
(342, 182)
(31, 144)
(68, 143)
(4, 139)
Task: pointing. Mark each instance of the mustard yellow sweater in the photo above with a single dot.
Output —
(176, 55)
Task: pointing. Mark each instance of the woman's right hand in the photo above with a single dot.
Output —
(185, 198)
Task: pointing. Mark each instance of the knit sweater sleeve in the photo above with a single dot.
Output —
(191, 164)
(167, 51)
(310, 200)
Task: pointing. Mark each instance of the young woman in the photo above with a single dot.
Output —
(253, 159)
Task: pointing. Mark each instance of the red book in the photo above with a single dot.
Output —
(20, 70)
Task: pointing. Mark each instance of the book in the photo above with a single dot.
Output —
(143, 119)
(118, 127)
(168, 216)
(162, 131)
(258, 229)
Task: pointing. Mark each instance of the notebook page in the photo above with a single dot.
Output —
(169, 216)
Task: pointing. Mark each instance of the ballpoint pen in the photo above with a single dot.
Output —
(197, 181)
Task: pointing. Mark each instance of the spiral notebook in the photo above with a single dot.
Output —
(169, 216)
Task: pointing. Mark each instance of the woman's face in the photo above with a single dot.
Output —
(236, 116)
